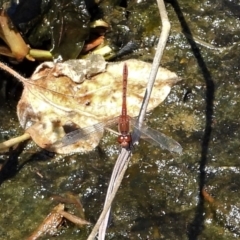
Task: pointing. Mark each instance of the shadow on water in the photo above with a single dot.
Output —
(12, 166)
(196, 226)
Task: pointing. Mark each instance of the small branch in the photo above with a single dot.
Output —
(112, 189)
(14, 141)
(124, 157)
(42, 55)
(12, 72)
(166, 26)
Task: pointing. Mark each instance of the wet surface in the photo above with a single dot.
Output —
(159, 197)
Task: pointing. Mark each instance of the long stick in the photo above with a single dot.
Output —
(113, 190)
(166, 26)
(124, 157)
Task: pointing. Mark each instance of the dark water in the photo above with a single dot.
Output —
(159, 197)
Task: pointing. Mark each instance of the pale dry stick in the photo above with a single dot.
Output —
(208, 45)
(119, 168)
(124, 155)
(123, 159)
(13, 141)
(166, 26)
(77, 220)
(25, 136)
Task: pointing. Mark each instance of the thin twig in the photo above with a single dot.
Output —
(13, 141)
(156, 62)
(117, 182)
(12, 72)
(124, 157)
(119, 169)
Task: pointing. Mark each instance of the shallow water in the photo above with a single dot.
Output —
(159, 197)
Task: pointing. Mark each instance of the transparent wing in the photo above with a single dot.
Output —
(81, 134)
(157, 138)
(85, 133)
(152, 136)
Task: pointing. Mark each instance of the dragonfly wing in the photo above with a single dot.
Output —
(95, 131)
(158, 139)
(82, 134)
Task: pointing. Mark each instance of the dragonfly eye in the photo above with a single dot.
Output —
(127, 138)
(120, 139)
(124, 140)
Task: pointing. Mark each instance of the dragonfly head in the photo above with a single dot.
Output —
(124, 140)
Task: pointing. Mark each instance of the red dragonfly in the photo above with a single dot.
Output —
(124, 122)
(124, 138)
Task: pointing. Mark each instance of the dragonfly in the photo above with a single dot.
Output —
(124, 138)
(124, 122)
